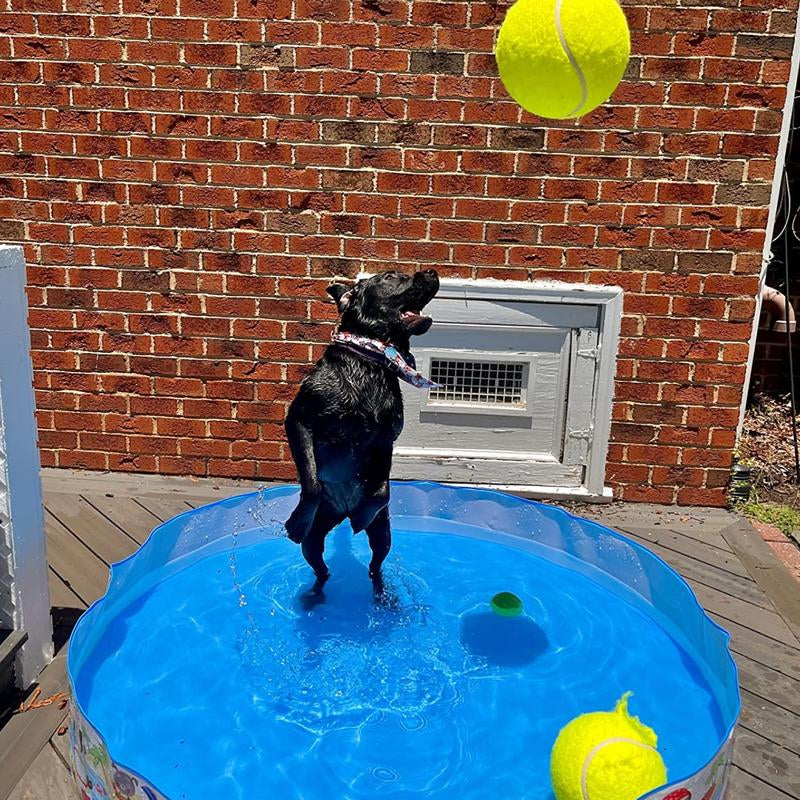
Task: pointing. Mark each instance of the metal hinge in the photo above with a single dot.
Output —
(582, 434)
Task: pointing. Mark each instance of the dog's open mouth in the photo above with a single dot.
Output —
(413, 318)
(423, 290)
(416, 323)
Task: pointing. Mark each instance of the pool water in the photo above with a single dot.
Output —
(245, 686)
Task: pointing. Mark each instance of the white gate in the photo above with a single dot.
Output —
(24, 598)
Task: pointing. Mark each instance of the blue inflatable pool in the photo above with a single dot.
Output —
(210, 670)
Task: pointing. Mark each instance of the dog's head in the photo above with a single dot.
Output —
(388, 306)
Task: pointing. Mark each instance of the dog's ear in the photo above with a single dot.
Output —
(340, 294)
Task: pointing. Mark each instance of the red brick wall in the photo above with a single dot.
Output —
(188, 175)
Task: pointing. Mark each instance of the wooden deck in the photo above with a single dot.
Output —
(93, 520)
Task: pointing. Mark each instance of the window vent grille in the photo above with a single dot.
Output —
(492, 383)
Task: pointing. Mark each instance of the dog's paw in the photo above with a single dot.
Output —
(314, 596)
(296, 527)
(301, 519)
(385, 597)
(294, 536)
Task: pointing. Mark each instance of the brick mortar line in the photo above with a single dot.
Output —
(558, 128)
(724, 228)
(629, 180)
(759, 11)
(208, 337)
(344, 214)
(543, 151)
(508, 249)
(683, 81)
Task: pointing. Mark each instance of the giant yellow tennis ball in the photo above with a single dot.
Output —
(606, 755)
(562, 58)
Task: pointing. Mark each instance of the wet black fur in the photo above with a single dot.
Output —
(348, 413)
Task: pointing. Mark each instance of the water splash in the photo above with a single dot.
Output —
(234, 564)
(263, 514)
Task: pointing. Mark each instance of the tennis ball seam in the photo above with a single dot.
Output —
(587, 762)
(572, 60)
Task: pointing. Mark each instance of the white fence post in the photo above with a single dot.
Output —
(24, 597)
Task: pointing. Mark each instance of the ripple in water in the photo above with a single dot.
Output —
(336, 664)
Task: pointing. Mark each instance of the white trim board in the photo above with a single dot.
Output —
(533, 492)
(530, 291)
(26, 601)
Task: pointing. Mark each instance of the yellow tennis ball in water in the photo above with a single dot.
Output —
(606, 755)
(562, 58)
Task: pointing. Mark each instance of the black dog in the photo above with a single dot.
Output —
(349, 411)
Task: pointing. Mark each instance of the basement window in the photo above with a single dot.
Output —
(526, 376)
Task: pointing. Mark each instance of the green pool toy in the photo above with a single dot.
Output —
(506, 604)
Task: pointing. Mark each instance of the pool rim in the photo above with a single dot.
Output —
(725, 740)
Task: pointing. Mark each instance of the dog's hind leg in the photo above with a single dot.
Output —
(313, 548)
(379, 534)
(314, 541)
(302, 446)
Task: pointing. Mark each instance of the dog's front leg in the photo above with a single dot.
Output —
(302, 446)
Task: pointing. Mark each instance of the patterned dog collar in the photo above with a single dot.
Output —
(382, 353)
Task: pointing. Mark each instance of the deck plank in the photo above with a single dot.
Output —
(135, 485)
(79, 568)
(773, 686)
(711, 576)
(25, 735)
(759, 648)
(732, 609)
(699, 551)
(61, 746)
(703, 525)
(46, 779)
(126, 513)
(757, 557)
(86, 523)
(744, 786)
(707, 540)
(776, 766)
(770, 721)
(61, 596)
(163, 508)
